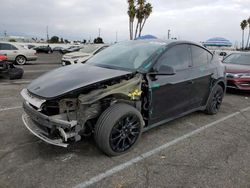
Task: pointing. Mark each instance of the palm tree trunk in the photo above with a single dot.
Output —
(132, 29)
(242, 39)
(144, 21)
(248, 38)
(136, 30)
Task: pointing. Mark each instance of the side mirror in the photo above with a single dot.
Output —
(164, 70)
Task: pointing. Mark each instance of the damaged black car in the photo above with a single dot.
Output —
(123, 91)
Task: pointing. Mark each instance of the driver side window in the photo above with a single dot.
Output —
(177, 57)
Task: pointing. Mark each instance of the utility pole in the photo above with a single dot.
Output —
(47, 31)
(169, 34)
(116, 36)
(99, 31)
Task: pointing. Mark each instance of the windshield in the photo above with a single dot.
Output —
(89, 49)
(240, 59)
(126, 55)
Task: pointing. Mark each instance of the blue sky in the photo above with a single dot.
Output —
(195, 20)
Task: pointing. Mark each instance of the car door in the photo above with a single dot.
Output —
(170, 94)
(201, 73)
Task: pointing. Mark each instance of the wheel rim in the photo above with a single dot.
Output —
(125, 133)
(217, 100)
(21, 60)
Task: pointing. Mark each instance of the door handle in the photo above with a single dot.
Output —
(191, 82)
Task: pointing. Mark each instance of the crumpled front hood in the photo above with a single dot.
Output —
(69, 78)
(233, 68)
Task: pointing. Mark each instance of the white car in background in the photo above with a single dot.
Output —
(17, 53)
(83, 54)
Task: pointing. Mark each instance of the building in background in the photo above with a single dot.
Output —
(218, 43)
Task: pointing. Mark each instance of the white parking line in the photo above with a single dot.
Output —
(148, 154)
(34, 71)
(12, 108)
(16, 82)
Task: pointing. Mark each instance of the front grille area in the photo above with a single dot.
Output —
(66, 62)
(50, 108)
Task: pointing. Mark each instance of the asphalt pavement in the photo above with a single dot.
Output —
(197, 150)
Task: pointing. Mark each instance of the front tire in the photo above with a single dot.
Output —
(118, 129)
(215, 100)
(21, 60)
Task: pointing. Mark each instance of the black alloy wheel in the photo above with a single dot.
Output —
(125, 133)
(215, 100)
(118, 129)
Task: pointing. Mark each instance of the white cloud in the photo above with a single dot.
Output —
(195, 20)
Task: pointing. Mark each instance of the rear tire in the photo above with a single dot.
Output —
(20, 60)
(215, 100)
(15, 73)
(118, 129)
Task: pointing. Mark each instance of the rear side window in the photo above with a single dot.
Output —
(177, 57)
(4, 46)
(200, 56)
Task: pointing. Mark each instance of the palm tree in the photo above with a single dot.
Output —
(147, 11)
(131, 14)
(139, 14)
(243, 26)
(140, 10)
(248, 38)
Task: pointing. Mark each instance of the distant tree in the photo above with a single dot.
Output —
(54, 39)
(243, 26)
(84, 41)
(61, 40)
(248, 38)
(98, 40)
(12, 40)
(141, 10)
(147, 11)
(66, 41)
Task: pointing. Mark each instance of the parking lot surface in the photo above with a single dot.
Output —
(194, 151)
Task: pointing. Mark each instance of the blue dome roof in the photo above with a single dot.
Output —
(217, 41)
(146, 37)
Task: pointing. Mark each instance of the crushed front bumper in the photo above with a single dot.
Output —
(41, 126)
(32, 127)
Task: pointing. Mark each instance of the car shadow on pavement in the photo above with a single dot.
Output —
(238, 92)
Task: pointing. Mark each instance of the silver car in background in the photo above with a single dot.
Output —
(17, 53)
(83, 54)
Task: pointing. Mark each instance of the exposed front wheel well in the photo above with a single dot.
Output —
(222, 84)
